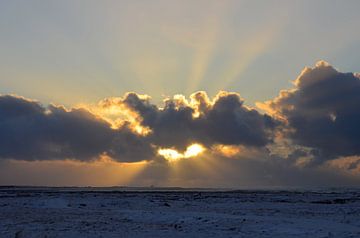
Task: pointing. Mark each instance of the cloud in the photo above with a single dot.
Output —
(29, 131)
(212, 141)
(223, 120)
(322, 112)
(254, 169)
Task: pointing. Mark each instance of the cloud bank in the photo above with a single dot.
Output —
(321, 112)
(29, 131)
(223, 120)
(316, 123)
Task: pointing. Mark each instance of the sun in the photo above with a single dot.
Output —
(172, 155)
(193, 150)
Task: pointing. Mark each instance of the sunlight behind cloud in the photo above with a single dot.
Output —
(173, 155)
(101, 172)
(115, 113)
(227, 150)
(193, 150)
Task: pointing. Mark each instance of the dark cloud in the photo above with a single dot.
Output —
(243, 171)
(320, 117)
(322, 111)
(28, 131)
(315, 122)
(238, 172)
(225, 120)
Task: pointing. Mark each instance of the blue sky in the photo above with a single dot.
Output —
(71, 52)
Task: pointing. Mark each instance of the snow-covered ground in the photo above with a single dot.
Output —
(49, 212)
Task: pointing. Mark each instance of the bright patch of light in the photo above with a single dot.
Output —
(193, 150)
(227, 150)
(172, 154)
(333, 117)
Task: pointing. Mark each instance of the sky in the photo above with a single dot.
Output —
(179, 93)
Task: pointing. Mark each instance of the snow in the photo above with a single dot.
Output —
(91, 212)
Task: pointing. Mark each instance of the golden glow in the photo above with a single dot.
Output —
(193, 150)
(227, 150)
(348, 165)
(172, 154)
(116, 114)
(101, 172)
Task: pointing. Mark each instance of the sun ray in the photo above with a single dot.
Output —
(204, 46)
(247, 52)
(101, 172)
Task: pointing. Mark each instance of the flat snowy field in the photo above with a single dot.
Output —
(49, 212)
